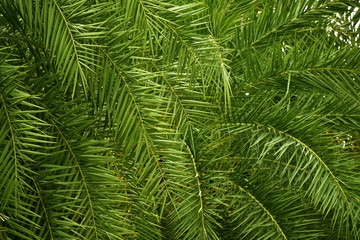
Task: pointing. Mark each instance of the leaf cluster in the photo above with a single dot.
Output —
(177, 119)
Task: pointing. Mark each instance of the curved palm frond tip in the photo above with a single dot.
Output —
(149, 119)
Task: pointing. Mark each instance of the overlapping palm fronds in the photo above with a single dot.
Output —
(174, 119)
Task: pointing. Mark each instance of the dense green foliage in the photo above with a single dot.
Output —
(179, 119)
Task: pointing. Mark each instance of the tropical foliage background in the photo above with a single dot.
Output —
(178, 119)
